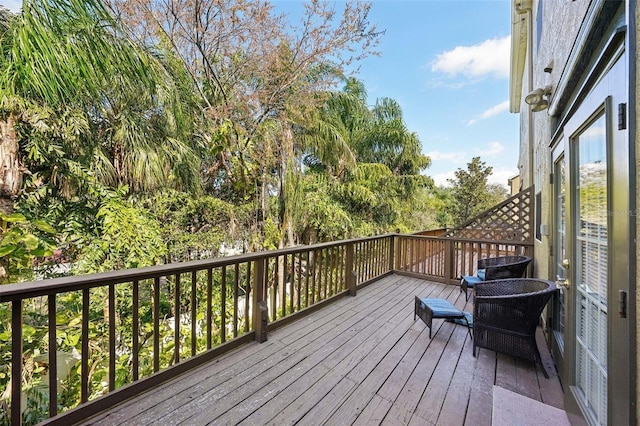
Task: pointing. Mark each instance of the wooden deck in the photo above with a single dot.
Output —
(362, 360)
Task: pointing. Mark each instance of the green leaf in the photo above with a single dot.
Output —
(8, 249)
(15, 217)
(44, 227)
(73, 339)
(41, 251)
(31, 242)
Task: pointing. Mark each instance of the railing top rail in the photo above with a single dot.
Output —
(468, 240)
(29, 289)
(25, 290)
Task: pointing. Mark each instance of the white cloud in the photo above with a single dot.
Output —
(494, 110)
(441, 179)
(456, 157)
(13, 5)
(489, 58)
(502, 175)
(493, 149)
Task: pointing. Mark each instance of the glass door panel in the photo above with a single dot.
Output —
(591, 272)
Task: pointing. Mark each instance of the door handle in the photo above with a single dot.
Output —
(563, 282)
(622, 303)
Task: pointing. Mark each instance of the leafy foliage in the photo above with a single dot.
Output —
(194, 225)
(20, 242)
(126, 237)
(471, 192)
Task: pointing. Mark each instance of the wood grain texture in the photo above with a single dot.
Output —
(361, 360)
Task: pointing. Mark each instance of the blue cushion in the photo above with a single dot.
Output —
(441, 308)
(481, 273)
(471, 281)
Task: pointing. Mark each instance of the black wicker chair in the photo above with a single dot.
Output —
(495, 268)
(506, 314)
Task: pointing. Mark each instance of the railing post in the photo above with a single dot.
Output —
(350, 274)
(397, 252)
(448, 260)
(392, 252)
(260, 308)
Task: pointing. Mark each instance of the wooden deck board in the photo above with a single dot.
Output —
(480, 406)
(432, 399)
(457, 397)
(551, 392)
(361, 360)
(374, 413)
(370, 374)
(305, 354)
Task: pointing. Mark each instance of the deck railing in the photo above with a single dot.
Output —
(164, 320)
(444, 259)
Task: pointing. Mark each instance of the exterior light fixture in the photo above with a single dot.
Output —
(536, 99)
(540, 106)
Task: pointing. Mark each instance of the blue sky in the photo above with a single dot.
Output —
(447, 63)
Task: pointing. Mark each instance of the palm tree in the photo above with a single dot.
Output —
(331, 136)
(61, 54)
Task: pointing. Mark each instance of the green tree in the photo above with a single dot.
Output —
(470, 191)
(20, 242)
(258, 79)
(427, 210)
(69, 75)
(497, 193)
(383, 186)
(192, 225)
(388, 141)
(125, 237)
(83, 108)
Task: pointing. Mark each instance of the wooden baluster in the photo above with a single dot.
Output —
(53, 357)
(209, 307)
(156, 324)
(194, 311)
(236, 296)
(135, 330)
(306, 280)
(260, 309)
(112, 336)
(16, 362)
(176, 320)
(223, 303)
(84, 362)
(246, 298)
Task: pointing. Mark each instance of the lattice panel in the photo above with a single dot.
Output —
(511, 220)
